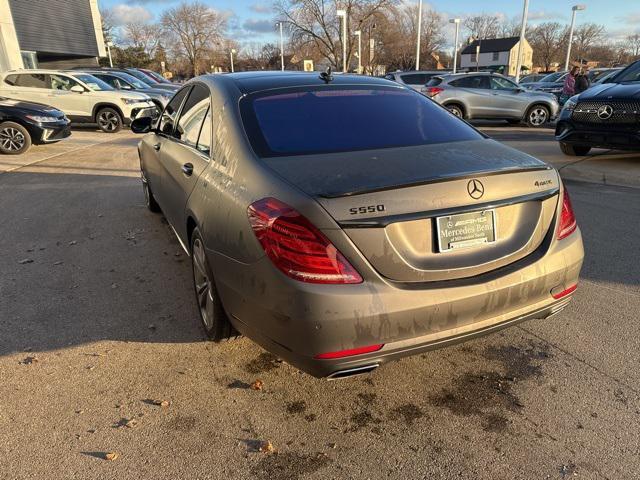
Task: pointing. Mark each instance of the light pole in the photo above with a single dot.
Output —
(343, 15)
(455, 21)
(419, 35)
(523, 28)
(575, 8)
(233, 50)
(359, 34)
(281, 47)
(109, 45)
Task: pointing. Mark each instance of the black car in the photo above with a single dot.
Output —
(24, 123)
(605, 116)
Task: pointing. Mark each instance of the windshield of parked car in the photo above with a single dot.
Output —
(553, 77)
(142, 77)
(631, 74)
(93, 83)
(339, 119)
(133, 81)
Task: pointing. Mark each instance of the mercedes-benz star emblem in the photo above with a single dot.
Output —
(605, 112)
(475, 188)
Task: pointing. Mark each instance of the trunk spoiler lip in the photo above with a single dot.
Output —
(435, 179)
(403, 217)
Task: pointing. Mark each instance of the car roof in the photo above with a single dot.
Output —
(251, 82)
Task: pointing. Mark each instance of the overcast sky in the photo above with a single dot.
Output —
(253, 20)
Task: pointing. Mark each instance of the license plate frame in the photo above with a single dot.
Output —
(484, 231)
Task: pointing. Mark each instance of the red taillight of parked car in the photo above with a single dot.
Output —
(432, 91)
(350, 352)
(296, 247)
(567, 224)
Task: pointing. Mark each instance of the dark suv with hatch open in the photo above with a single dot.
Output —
(604, 116)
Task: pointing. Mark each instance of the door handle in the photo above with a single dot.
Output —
(187, 169)
(156, 147)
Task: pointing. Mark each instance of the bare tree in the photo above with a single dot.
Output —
(146, 36)
(482, 26)
(632, 43)
(510, 27)
(585, 37)
(314, 23)
(108, 25)
(195, 28)
(548, 42)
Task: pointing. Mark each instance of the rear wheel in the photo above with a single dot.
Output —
(574, 150)
(214, 318)
(109, 120)
(537, 116)
(456, 110)
(14, 138)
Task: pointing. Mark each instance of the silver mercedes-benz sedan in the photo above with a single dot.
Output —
(345, 222)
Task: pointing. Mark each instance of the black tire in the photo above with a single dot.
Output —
(149, 199)
(537, 116)
(574, 150)
(456, 110)
(212, 314)
(109, 120)
(14, 138)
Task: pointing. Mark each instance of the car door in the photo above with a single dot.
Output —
(30, 87)
(508, 101)
(74, 104)
(153, 144)
(475, 91)
(182, 159)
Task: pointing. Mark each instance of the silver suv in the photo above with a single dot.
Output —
(414, 79)
(492, 96)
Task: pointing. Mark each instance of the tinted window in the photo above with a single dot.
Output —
(171, 111)
(193, 112)
(435, 81)
(108, 79)
(631, 74)
(32, 80)
(92, 82)
(498, 83)
(476, 81)
(323, 120)
(414, 79)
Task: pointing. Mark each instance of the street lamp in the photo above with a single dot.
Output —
(419, 35)
(233, 50)
(525, 13)
(359, 34)
(281, 47)
(109, 45)
(343, 15)
(455, 21)
(575, 8)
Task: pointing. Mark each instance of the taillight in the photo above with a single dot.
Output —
(296, 247)
(350, 352)
(567, 223)
(432, 91)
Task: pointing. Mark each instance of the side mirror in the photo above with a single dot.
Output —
(142, 125)
(77, 89)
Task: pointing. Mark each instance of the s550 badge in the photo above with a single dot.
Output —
(367, 209)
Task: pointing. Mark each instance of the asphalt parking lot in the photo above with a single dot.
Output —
(101, 351)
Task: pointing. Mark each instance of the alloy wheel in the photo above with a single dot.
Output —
(538, 116)
(108, 121)
(12, 139)
(202, 283)
(456, 111)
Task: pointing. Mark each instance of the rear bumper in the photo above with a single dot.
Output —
(604, 137)
(298, 321)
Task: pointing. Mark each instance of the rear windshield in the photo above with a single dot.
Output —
(340, 119)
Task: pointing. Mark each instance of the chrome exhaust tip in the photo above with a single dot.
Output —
(352, 372)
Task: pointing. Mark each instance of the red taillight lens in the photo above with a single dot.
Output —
(432, 91)
(567, 224)
(565, 292)
(296, 247)
(349, 353)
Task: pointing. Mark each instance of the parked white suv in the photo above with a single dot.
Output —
(81, 96)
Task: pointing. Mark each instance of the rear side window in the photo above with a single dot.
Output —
(192, 115)
(414, 79)
(471, 82)
(31, 80)
(340, 119)
(170, 112)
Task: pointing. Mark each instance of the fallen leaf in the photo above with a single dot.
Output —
(267, 447)
(257, 385)
(57, 263)
(111, 456)
(29, 360)
(162, 403)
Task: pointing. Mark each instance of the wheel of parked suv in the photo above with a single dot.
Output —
(456, 110)
(149, 199)
(537, 116)
(109, 120)
(214, 318)
(574, 150)
(14, 138)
